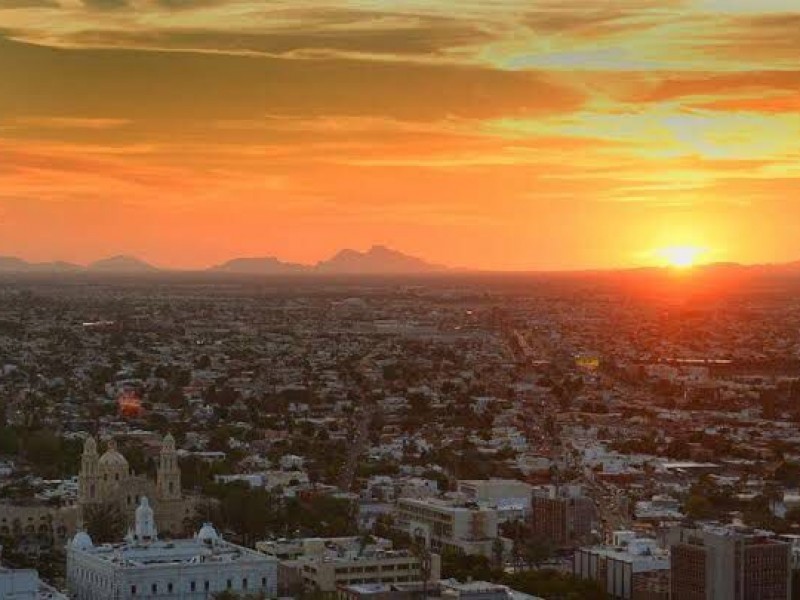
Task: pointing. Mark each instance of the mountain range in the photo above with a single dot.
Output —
(375, 261)
(378, 260)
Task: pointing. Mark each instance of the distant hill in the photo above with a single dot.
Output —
(267, 265)
(122, 264)
(376, 260)
(12, 264)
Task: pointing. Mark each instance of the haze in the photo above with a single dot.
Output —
(537, 134)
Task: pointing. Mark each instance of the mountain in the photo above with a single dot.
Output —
(376, 260)
(122, 264)
(267, 265)
(12, 264)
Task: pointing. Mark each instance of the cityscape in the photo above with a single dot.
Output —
(399, 300)
(365, 436)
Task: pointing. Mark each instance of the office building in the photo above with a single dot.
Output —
(729, 563)
(630, 568)
(564, 516)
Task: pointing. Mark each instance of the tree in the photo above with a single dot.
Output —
(699, 507)
(498, 552)
(554, 585)
(104, 523)
(537, 550)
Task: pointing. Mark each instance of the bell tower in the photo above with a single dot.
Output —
(169, 475)
(89, 476)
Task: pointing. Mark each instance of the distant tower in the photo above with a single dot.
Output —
(169, 475)
(145, 527)
(89, 476)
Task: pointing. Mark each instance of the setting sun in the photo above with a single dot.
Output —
(681, 257)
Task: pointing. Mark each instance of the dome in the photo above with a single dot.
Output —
(207, 534)
(82, 541)
(112, 458)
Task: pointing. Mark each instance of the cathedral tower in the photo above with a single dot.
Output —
(169, 475)
(89, 476)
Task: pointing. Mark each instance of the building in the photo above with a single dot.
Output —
(449, 526)
(326, 565)
(24, 584)
(563, 515)
(629, 569)
(509, 497)
(108, 479)
(729, 563)
(143, 566)
(47, 525)
(446, 590)
(480, 590)
(494, 490)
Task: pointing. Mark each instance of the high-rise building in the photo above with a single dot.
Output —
(564, 516)
(729, 563)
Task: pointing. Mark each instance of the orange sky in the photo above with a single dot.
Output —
(516, 134)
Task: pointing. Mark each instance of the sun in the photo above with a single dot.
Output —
(680, 257)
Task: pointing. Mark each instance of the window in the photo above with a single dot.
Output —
(169, 588)
(230, 584)
(193, 586)
(133, 590)
(244, 583)
(206, 586)
(263, 582)
(154, 588)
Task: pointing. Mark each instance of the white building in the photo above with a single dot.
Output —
(629, 568)
(24, 584)
(145, 567)
(442, 525)
(326, 564)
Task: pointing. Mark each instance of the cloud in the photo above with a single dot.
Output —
(106, 4)
(68, 123)
(173, 87)
(423, 39)
(14, 4)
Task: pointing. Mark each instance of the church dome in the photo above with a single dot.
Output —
(207, 534)
(82, 541)
(112, 459)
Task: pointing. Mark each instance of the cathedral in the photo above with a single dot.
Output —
(108, 479)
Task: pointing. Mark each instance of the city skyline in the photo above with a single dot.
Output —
(545, 135)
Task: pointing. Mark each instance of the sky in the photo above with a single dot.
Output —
(491, 134)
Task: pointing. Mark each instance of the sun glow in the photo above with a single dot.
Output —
(680, 257)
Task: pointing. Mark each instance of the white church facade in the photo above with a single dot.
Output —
(143, 566)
